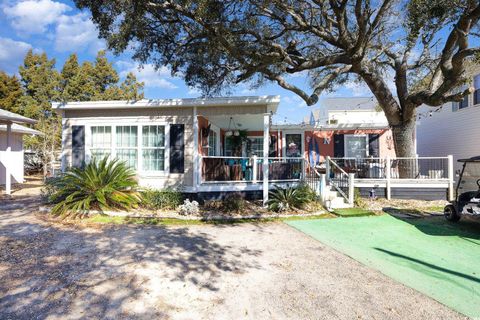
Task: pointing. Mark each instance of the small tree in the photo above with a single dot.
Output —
(214, 44)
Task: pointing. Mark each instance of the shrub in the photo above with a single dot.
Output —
(233, 202)
(166, 199)
(286, 199)
(101, 185)
(306, 192)
(189, 208)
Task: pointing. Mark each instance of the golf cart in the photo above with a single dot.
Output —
(467, 192)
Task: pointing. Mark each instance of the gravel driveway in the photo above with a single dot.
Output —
(244, 271)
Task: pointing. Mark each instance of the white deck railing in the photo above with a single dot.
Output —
(223, 169)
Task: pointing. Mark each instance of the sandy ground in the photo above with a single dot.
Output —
(244, 271)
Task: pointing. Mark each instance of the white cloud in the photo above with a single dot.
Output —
(75, 33)
(34, 16)
(12, 53)
(160, 78)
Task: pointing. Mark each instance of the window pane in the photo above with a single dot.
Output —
(101, 137)
(153, 136)
(153, 159)
(127, 136)
(212, 143)
(129, 156)
(356, 146)
(99, 154)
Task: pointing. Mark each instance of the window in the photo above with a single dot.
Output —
(101, 144)
(356, 146)
(126, 146)
(476, 94)
(153, 148)
(464, 103)
(212, 143)
(256, 147)
(293, 145)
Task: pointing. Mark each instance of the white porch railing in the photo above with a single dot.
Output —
(225, 169)
(413, 171)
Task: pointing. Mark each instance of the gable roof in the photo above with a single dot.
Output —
(7, 116)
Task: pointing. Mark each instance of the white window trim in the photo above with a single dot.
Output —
(166, 148)
(128, 122)
(355, 135)
(284, 141)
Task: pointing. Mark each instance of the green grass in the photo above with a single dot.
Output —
(104, 219)
(431, 255)
(353, 212)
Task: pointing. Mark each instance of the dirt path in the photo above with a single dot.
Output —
(245, 271)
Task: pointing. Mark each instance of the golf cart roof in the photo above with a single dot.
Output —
(472, 159)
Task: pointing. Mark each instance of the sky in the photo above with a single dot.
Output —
(60, 29)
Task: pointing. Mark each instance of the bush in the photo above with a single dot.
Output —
(286, 199)
(306, 192)
(233, 202)
(189, 208)
(166, 199)
(101, 185)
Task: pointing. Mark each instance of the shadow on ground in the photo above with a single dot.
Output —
(51, 270)
(467, 228)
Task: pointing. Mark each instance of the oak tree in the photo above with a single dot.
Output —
(215, 44)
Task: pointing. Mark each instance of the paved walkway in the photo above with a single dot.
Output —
(244, 271)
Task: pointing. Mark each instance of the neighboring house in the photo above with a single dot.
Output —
(354, 126)
(11, 147)
(453, 128)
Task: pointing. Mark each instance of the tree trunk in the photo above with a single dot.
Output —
(404, 141)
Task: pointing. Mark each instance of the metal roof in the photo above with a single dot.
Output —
(271, 101)
(7, 116)
(16, 128)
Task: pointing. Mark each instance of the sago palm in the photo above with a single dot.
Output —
(285, 199)
(101, 185)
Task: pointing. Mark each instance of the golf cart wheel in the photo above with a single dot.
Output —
(451, 214)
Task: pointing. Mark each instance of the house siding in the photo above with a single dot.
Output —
(447, 132)
(136, 115)
(16, 157)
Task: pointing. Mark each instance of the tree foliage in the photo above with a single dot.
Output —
(217, 44)
(10, 92)
(40, 84)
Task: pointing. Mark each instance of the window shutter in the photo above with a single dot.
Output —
(338, 146)
(78, 146)
(177, 148)
(373, 145)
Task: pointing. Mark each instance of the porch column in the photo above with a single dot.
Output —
(266, 138)
(195, 149)
(8, 178)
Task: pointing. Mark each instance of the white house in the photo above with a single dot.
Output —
(11, 147)
(453, 128)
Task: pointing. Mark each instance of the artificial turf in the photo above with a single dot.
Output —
(431, 255)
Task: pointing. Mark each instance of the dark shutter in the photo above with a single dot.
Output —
(78, 146)
(373, 145)
(338, 146)
(177, 148)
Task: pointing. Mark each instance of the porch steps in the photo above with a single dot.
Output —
(334, 200)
